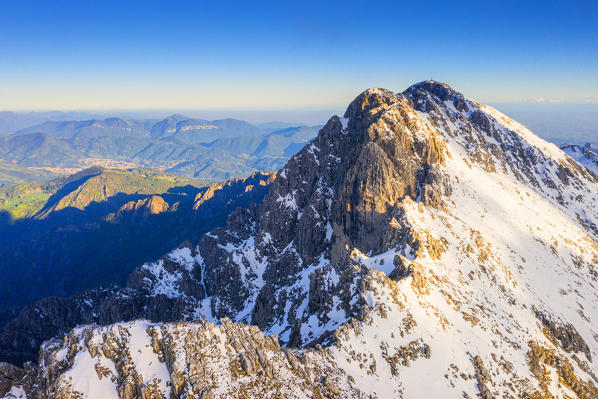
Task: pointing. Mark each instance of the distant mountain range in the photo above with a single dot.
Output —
(110, 127)
(210, 150)
(176, 125)
(12, 121)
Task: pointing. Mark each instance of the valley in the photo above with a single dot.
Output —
(209, 150)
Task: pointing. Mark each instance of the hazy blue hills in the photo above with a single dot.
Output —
(276, 125)
(286, 141)
(12, 121)
(203, 131)
(37, 149)
(111, 127)
(176, 125)
(211, 150)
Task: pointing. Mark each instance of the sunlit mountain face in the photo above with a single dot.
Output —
(420, 234)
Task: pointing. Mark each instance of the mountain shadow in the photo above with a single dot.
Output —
(73, 243)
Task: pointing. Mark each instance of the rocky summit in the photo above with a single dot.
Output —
(423, 245)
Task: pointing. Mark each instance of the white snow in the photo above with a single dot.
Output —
(548, 148)
(344, 122)
(183, 256)
(480, 302)
(166, 283)
(288, 201)
(15, 393)
(329, 231)
(85, 379)
(146, 361)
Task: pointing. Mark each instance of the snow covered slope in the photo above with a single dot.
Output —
(422, 246)
(585, 155)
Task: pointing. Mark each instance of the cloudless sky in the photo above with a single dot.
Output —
(222, 54)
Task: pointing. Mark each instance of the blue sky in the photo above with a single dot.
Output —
(186, 55)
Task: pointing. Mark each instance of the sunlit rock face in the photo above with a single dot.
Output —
(423, 245)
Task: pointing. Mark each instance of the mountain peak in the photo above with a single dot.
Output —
(440, 89)
(364, 107)
(177, 117)
(422, 234)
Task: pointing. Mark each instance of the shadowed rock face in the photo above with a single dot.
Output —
(393, 244)
(21, 337)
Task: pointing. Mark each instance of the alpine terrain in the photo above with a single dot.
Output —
(422, 246)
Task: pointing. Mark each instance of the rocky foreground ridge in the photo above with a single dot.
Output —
(423, 245)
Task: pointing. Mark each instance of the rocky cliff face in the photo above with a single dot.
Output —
(422, 234)
(289, 260)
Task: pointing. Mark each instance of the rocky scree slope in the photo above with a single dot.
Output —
(422, 234)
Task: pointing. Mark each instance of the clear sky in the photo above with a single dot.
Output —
(222, 54)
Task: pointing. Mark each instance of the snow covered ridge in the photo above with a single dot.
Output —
(139, 359)
(423, 246)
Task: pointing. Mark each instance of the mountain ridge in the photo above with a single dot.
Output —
(421, 234)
